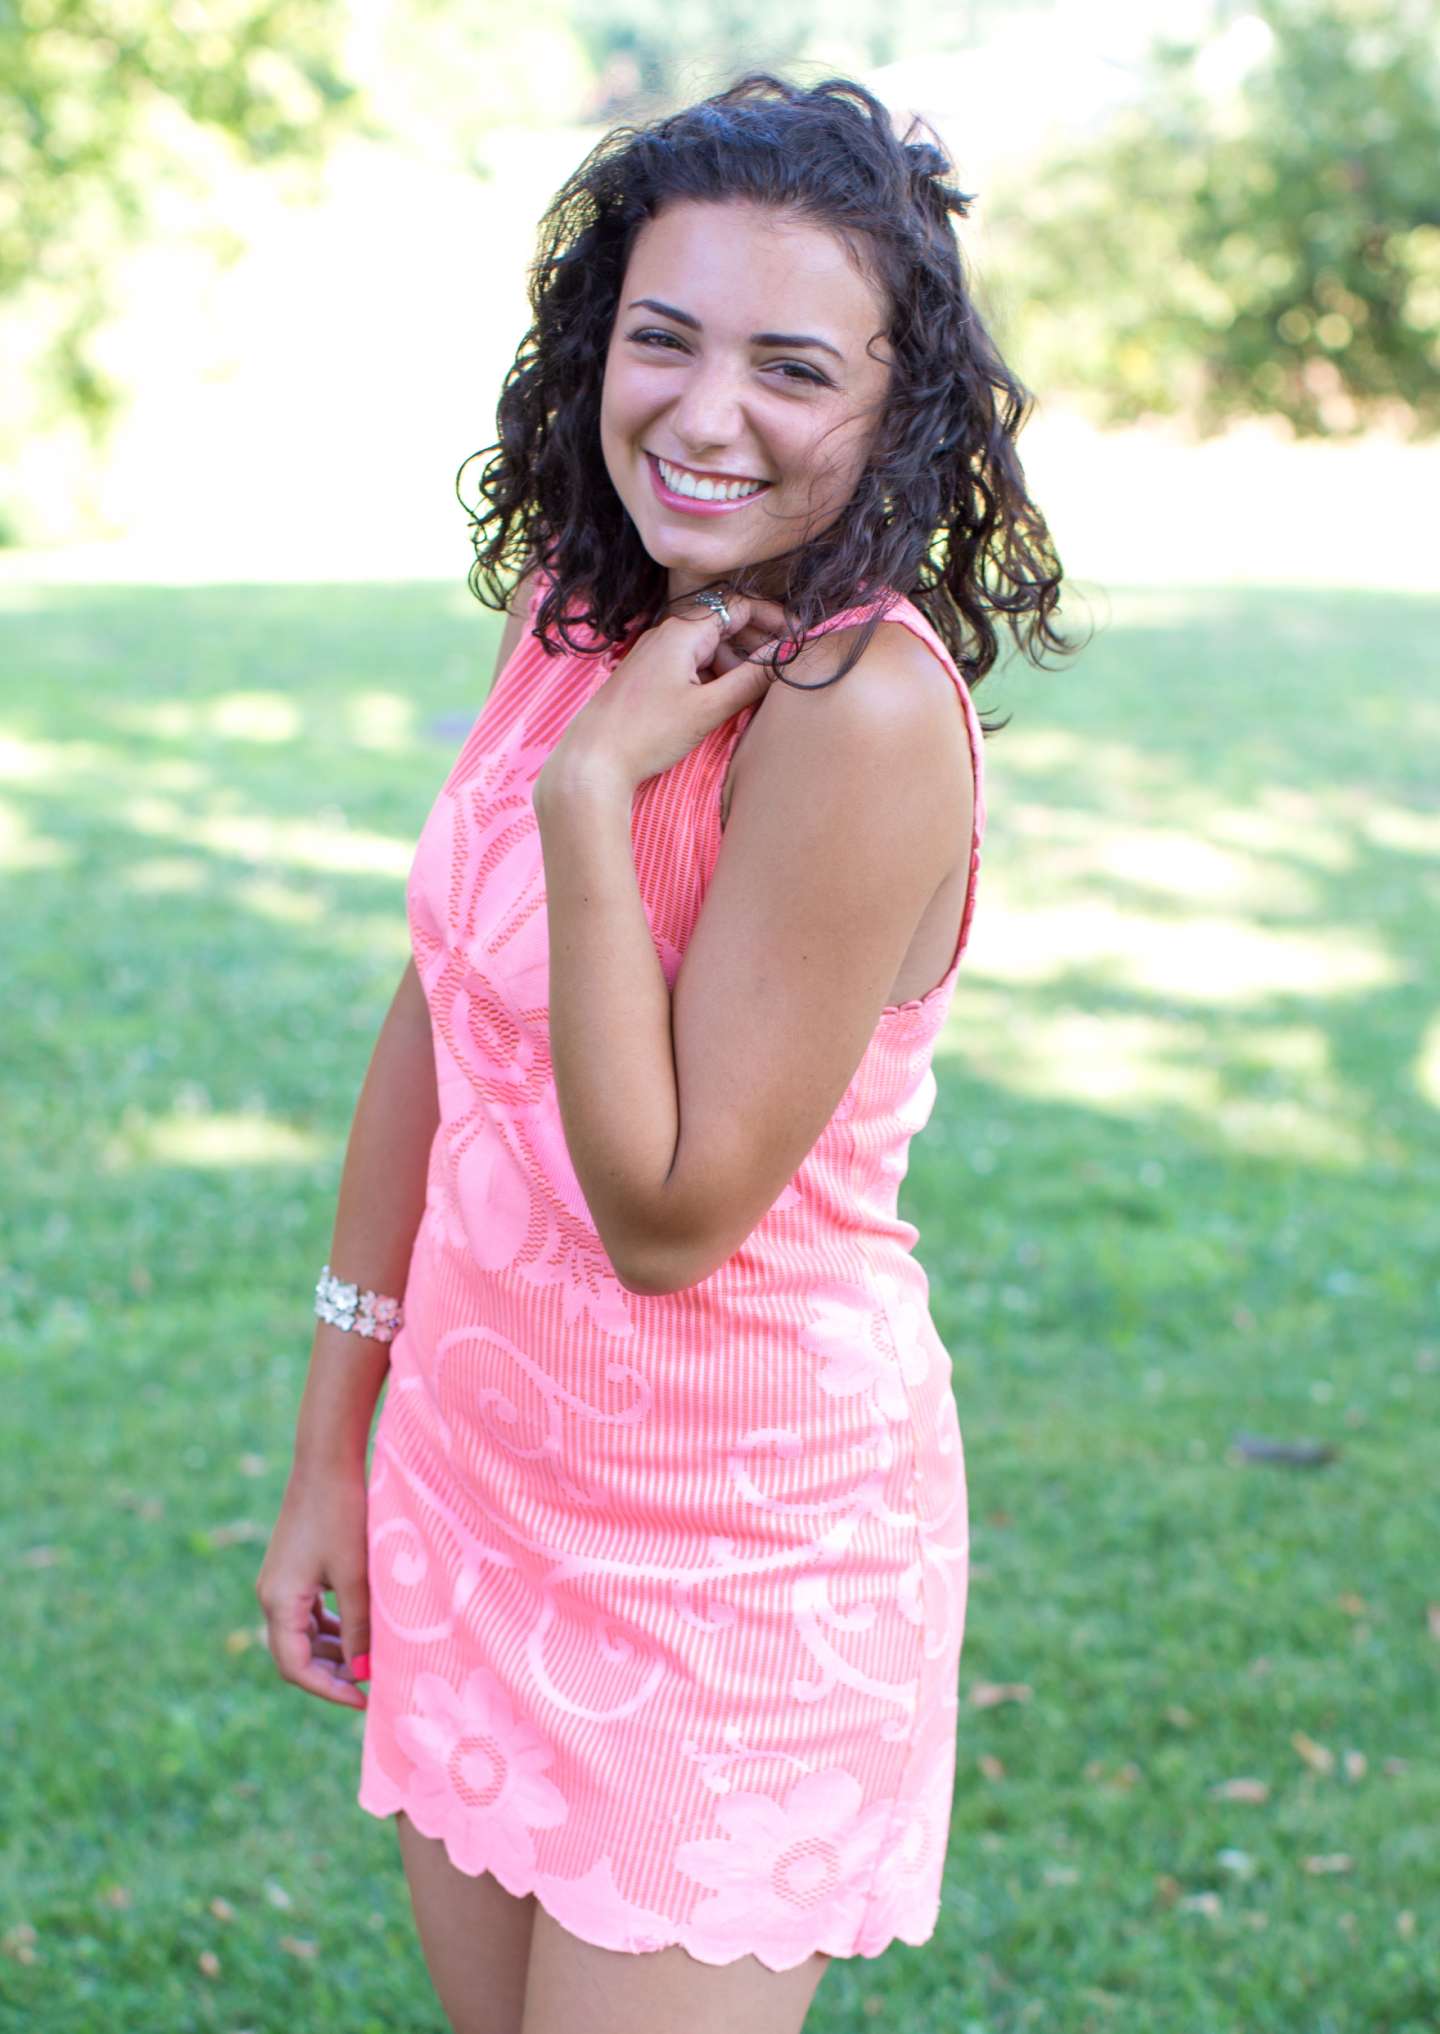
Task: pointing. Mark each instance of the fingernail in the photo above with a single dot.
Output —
(360, 1667)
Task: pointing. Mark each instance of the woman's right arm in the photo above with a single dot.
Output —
(319, 1540)
(377, 1215)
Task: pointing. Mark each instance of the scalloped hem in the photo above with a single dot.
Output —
(557, 1897)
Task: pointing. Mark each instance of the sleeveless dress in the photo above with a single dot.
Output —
(667, 1591)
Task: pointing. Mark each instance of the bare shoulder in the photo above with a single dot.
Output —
(898, 680)
(891, 730)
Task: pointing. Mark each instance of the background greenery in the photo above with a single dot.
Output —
(1255, 237)
(1251, 227)
(1179, 1185)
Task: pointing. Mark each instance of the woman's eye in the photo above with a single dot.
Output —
(801, 371)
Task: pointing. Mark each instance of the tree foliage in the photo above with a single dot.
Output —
(1271, 244)
(97, 100)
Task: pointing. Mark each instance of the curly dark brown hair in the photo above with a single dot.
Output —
(940, 511)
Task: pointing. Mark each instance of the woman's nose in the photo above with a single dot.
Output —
(709, 413)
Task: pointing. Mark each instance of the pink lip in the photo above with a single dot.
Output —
(672, 500)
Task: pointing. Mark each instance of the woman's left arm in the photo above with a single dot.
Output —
(685, 1114)
(610, 1043)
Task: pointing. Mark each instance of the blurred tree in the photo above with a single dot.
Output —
(97, 98)
(1259, 234)
(675, 50)
(446, 75)
(672, 51)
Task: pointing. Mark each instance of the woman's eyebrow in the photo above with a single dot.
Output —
(756, 338)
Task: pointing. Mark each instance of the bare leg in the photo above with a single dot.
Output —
(475, 1935)
(573, 1985)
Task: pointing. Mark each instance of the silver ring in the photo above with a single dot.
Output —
(716, 604)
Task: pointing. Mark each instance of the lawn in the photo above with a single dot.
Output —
(1181, 1186)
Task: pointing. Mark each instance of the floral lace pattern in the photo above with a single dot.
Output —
(668, 1592)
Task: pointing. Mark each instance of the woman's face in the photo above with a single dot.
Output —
(748, 363)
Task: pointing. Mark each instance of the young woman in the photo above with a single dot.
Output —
(659, 1578)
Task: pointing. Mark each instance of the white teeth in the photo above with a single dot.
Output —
(706, 490)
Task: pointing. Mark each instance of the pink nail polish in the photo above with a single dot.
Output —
(360, 1667)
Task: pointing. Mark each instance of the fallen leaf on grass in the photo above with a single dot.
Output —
(1292, 1454)
(987, 1694)
(1167, 1889)
(239, 1532)
(209, 1963)
(221, 1909)
(1432, 1619)
(1180, 1717)
(1356, 1765)
(277, 1895)
(1318, 1757)
(1353, 1605)
(990, 1766)
(146, 1508)
(117, 1896)
(1123, 1776)
(1238, 1861)
(299, 1945)
(1405, 1923)
(19, 1942)
(1202, 1903)
(1060, 1875)
(1242, 1789)
(1328, 1861)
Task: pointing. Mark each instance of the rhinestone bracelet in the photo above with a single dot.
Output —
(369, 1313)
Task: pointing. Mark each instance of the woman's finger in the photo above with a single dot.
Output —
(736, 650)
(726, 658)
(297, 1657)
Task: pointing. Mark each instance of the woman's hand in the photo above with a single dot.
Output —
(319, 1544)
(683, 678)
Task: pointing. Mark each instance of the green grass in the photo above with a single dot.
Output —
(1181, 1182)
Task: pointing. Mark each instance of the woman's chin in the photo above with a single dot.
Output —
(702, 559)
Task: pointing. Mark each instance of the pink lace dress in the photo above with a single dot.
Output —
(668, 1590)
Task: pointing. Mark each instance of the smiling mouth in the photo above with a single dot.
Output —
(706, 486)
